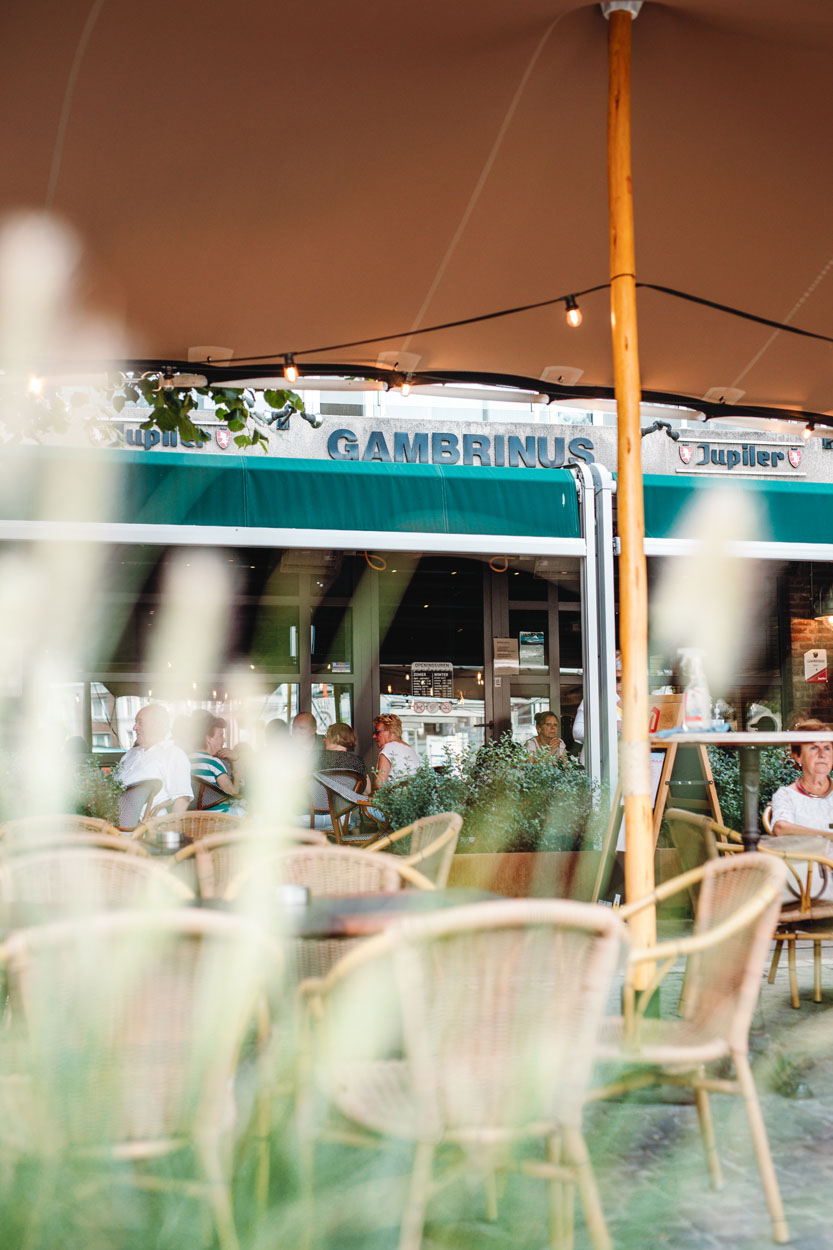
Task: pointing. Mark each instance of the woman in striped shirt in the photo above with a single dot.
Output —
(208, 762)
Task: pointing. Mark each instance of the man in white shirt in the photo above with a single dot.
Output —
(156, 757)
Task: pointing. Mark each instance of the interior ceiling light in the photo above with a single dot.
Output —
(723, 395)
(403, 362)
(209, 355)
(823, 606)
(573, 312)
(561, 375)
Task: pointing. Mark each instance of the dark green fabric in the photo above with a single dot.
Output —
(791, 512)
(248, 491)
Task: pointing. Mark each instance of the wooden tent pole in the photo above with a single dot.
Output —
(633, 590)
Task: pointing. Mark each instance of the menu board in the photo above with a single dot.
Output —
(433, 679)
(505, 656)
(531, 648)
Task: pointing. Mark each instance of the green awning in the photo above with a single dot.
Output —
(791, 512)
(255, 491)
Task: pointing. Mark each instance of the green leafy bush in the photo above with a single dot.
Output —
(425, 793)
(96, 793)
(777, 769)
(509, 801)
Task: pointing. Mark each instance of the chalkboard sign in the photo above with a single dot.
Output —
(432, 679)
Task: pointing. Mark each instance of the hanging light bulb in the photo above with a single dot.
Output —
(34, 385)
(807, 432)
(406, 384)
(574, 317)
(290, 370)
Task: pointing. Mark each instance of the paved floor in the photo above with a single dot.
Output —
(649, 1161)
(647, 1157)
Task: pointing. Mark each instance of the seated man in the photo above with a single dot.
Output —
(156, 757)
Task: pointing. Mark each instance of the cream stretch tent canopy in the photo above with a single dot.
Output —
(271, 178)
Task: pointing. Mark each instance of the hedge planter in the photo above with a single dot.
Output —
(543, 874)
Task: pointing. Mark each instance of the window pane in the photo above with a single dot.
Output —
(434, 612)
(529, 626)
(331, 640)
(331, 703)
(432, 725)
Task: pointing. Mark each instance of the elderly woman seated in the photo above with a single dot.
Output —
(211, 761)
(807, 804)
(340, 754)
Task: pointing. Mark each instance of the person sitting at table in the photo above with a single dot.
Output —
(155, 757)
(304, 731)
(546, 739)
(808, 802)
(578, 723)
(340, 754)
(211, 761)
(396, 758)
(805, 805)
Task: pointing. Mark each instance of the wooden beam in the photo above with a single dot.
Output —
(633, 590)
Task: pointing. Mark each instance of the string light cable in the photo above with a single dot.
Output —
(263, 364)
(570, 302)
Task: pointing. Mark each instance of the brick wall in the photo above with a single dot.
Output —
(808, 634)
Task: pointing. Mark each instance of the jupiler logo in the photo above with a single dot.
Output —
(223, 438)
(686, 452)
(795, 456)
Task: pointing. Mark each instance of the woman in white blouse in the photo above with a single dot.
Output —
(547, 738)
(808, 802)
(805, 805)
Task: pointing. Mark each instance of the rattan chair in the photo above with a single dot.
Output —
(328, 870)
(87, 879)
(804, 916)
(30, 842)
(333, 797)
(433, 841)
(207, 796)
(130, 1024)
(136, 803)
(340, 794)
(324, 871)
(190, 825)
(475, 1026)
(221, 857)
(62, 825)
(737, 910)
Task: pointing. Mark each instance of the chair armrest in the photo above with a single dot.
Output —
(415, 877)
(676, 947)
(664, 955)
(667, 890)
(807, 858)
(390, 838)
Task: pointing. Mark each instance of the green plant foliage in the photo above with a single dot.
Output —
(777, 769)
(164, 407)
(509, 801)
(96, 793)
(425, 793)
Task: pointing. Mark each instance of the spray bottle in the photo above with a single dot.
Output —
(697, 707)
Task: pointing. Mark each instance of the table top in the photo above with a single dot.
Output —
(359, 915)
(356, 915)
(746, 738)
